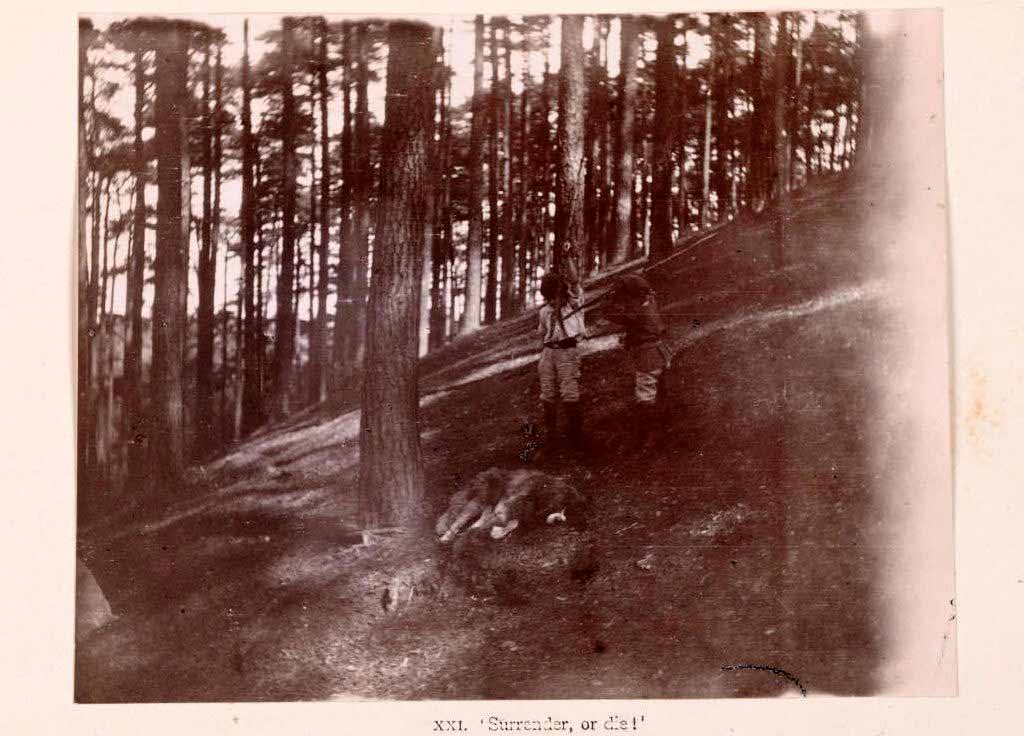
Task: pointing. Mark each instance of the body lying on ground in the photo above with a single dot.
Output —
(500, 501)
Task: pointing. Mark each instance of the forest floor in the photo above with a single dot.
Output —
(741, 557)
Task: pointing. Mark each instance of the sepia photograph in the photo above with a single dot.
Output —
(512, 357)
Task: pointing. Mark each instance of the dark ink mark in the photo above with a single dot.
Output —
(600, 647)
(773, 670)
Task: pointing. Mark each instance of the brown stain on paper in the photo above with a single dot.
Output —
(981, 417)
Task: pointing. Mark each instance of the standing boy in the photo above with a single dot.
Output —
(560, 329)
(634, 307)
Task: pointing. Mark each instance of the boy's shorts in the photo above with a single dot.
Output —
(559, 374)
(649, 362)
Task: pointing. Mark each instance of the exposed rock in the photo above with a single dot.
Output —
(92, 611)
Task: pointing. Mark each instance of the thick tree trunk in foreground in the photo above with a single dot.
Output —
(624, 142)
(172, 241)
(474, 246)
(570, 230)
(390, 473)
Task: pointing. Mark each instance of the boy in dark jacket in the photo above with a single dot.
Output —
(633, 306)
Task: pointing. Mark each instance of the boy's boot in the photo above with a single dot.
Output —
(574, 412)
(648, 423)
(550, 423)
(664, 400)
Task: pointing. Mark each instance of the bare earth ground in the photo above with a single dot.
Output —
(740, 558)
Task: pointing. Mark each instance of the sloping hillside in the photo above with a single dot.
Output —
(741, 557)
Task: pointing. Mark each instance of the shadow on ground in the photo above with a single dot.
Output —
(740, 558)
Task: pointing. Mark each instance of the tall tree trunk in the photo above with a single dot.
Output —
(624, 141)
(451, 326)
(94, 213)
(362, 184)
(570, 231)
(307, 379)
(218, 160)
(705, 203)
(605, 133)
(134, 419)
(546, 189)
(833, 146)
(252, 411)
(522, 237)
(759, 122)
(343, 311)
(240, 357)
(590, 156)
(793, 116)
(781, 162)
(810, 140)
(508, 253)
(225, 425)
(442, 237)
(646, 181)
(207, 281)
(642, 189)
(493, 220)
(474, 245)
(284, 333)
(85, 31)
(664, 113)
(682, 134)
(101, 350)
(862, 64)
(430, 239)
(722, 95)
(107, 267)
(390, 472)
(172, 240)
(321, 368)
(263, 282)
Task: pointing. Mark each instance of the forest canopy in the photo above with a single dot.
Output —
(236, 180)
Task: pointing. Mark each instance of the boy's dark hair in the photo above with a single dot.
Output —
(632, 286)
(551, 286)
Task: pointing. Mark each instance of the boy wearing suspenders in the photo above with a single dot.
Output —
(560, 327)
